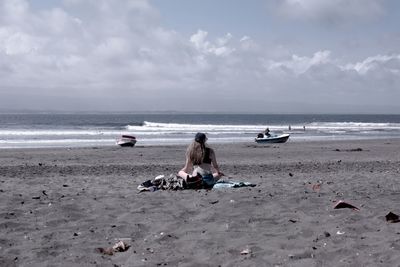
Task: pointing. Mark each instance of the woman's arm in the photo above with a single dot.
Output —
(214, 164)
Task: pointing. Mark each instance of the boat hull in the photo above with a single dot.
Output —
(126, 144)
(273, 139)
(126, 141)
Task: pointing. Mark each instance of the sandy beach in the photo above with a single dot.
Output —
(59, 205)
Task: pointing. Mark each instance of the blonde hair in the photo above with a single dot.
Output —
(195, 152)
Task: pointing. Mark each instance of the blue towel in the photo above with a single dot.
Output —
(231, 184)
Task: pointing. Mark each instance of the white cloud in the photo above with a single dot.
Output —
(220, 48)
(14, 10)
(222, 41)
(380, 62)
(199, 40)
(66, 47)
(248, 44)
(299, 64)
(15, 42)
(332, 10)
(98, 55)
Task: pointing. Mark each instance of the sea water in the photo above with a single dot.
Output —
(78, 130)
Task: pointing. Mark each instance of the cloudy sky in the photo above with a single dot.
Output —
(268, 56)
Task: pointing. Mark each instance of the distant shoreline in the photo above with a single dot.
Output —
(211, 143)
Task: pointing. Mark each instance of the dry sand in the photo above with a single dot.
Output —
(59, 205)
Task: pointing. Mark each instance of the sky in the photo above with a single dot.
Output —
(235, 56)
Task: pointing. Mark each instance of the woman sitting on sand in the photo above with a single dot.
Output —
(201, 159)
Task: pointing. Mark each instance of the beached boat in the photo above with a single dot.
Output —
(271, 138)
(126, 140)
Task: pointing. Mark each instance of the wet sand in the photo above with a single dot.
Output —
(59, 205)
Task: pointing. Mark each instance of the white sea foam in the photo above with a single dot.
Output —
(23, 132)
(160, 128)
(352, 125)
(179, 127)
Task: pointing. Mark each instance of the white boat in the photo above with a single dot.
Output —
(126, 140)
(271, 138)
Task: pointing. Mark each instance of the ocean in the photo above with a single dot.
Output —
(95, 130)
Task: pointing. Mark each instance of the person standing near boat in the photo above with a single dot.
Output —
(266, 132)
(201, 160)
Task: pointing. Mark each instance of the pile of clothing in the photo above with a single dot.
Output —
(174, 182)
